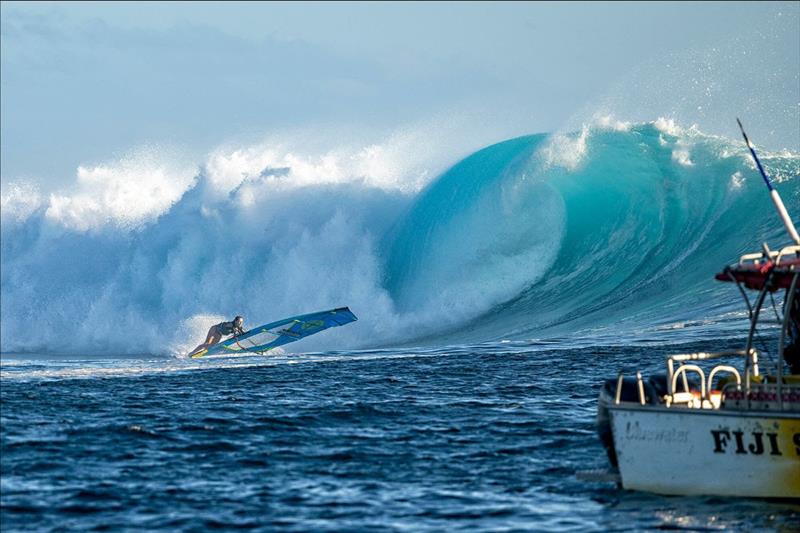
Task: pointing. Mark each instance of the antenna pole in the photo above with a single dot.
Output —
(776, 198)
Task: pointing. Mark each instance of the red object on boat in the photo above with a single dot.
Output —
(755, 275)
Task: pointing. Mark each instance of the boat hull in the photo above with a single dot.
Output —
(707, 452)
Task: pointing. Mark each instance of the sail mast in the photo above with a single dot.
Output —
(776, 198)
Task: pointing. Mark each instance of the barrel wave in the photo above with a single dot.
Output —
(609, 234)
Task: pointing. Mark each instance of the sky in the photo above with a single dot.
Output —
(83, 83)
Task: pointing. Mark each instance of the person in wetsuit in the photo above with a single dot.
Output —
(217, 331)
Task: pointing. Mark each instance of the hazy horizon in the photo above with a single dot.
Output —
(92, 83)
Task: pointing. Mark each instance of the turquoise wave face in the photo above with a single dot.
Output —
(478, 235)
(611, 234)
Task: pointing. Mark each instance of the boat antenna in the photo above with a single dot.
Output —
(776, 198)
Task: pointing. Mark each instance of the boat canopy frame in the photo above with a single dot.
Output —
(767, 272)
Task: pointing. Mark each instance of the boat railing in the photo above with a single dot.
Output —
(731, 392)
(724, 368)
(776, 256)
(705, 396)
(709, 398)
(682, 358)
(687, 396)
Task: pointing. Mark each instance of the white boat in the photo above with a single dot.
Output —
(710, 427)
(720, 423)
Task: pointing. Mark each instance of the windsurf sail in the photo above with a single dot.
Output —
(264, 338)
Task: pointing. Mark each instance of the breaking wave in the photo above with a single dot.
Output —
(616, 228)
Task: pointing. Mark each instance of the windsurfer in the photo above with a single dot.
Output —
(217, 331)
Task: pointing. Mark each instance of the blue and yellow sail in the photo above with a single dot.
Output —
(264, 338)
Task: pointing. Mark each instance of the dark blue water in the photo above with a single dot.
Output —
(480, 438)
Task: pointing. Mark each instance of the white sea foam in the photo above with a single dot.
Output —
(280, 231)
(609, 122)
(565, 150)
(682, 156)
(125, 193)
(55, 370)
(403, 161)
(737, 180)
(18, 201)
(668, 126)
(568, 149)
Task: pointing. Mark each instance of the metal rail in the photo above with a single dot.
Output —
(787, 311)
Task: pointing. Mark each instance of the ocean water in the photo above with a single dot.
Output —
(494, 296)
(464, 438)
